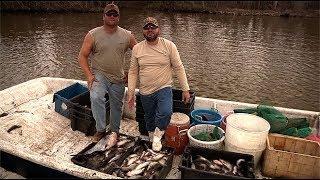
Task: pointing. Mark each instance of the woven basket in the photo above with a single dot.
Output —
(218, 144)
(291, 157)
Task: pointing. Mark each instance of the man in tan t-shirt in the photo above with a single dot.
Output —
(108, 45)
(153, 61)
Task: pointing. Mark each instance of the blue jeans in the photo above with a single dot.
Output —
(98, 102)
(157, 109)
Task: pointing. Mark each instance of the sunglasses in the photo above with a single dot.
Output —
(150, 27)
(112, 14)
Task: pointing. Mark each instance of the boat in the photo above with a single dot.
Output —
(44, 137)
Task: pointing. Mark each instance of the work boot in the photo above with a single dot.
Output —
(98, 135)
(150, 136)
(157, 135)
(112, 140)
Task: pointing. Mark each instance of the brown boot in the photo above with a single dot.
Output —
(98, 135)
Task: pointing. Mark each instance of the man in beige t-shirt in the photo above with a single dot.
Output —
(153, 61)
(107, 45)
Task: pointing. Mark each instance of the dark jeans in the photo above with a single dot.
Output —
(157, 108)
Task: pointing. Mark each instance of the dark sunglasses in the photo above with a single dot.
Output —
(112, 14)
(150, 27)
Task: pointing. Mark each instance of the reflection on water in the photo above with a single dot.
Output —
(241, 58)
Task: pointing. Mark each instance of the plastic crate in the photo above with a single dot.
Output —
(178, 106)
(291, 157)
(81, 116)
(187, 111)
(83, 122)
(176, 97)
(142, 127)
(62, 97)
(82, 103)
(189, 173)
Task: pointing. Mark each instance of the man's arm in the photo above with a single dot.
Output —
(132, 79)
(133, 41)
(83, 59)
(180, 72)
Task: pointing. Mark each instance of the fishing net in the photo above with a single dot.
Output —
(304, 132)
(275, 118)
(298, 123)
(298, 127)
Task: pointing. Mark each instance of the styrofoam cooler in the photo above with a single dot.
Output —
(246, 133)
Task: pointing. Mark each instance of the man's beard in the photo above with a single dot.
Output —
(152, 38)
(111, 24)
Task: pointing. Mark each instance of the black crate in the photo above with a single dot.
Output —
(102, 166)
(139, 114)
(82, 102)
(83, 122)
(81, 116)
(62, 97)
(139, 110)
(187, 111)
(177, 99)
(142, 126)
(178, 106)
(189, 173)
(144, 145)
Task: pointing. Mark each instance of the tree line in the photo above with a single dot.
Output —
(275, 8)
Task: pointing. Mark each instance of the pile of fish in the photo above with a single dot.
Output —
(100, 157)
(143, 163)
(221, 166)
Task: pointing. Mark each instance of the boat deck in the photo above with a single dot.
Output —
(45, 137)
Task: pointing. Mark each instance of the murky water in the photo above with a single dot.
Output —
(252, 59)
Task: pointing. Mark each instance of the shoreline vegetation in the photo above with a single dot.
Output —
(263, 8)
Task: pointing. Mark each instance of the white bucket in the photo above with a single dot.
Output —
(256, 153)
(205, 144)
(247, 131)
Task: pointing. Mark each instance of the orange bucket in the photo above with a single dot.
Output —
(176, 132)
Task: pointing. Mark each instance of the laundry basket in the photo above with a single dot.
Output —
(218, 144)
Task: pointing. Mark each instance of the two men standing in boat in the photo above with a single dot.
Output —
(152, 61)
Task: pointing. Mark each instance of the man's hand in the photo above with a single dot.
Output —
(185, 96)
(90, 80)
(130, 101)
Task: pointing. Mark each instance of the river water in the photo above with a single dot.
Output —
(253, 59)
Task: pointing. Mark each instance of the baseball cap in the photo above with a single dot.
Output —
(110, 7)
(150, 20)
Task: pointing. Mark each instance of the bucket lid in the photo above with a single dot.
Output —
(179, 118)
(248, 122)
